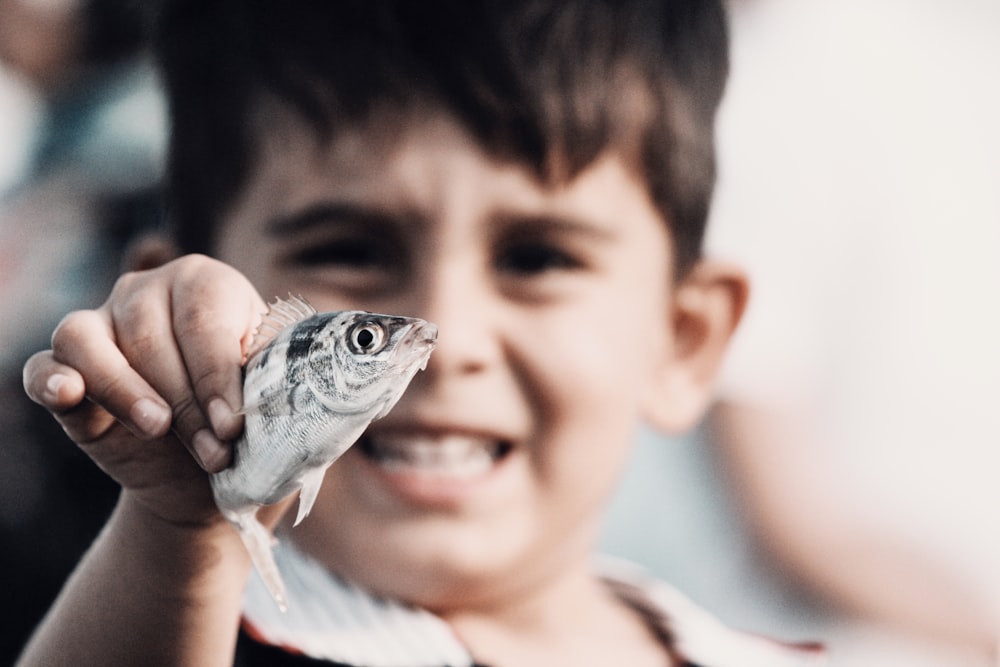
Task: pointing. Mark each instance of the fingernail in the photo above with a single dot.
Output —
(211, 453)
(54, 385)
(221, 416)
(150, 417)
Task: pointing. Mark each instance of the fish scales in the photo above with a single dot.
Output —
(311, 388)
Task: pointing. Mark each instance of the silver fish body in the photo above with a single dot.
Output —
(309, 394)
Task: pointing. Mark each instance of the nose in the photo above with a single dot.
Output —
(455, 296)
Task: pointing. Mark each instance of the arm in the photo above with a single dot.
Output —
(147, 592)
(143, 385)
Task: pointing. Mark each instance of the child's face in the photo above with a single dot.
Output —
(554, 309)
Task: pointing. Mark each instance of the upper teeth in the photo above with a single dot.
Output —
(454, 454)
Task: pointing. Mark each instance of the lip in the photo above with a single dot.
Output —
(430, 485)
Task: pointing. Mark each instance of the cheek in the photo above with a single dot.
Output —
(599, 398)
(587, 386)
(586, 416)
(598, 379)
(604, 360)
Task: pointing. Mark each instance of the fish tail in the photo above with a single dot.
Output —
(258, 542)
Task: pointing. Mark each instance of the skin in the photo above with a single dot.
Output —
(560, 329)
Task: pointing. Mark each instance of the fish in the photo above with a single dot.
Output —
(313, 382)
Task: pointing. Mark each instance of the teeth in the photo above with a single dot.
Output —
(453, 456)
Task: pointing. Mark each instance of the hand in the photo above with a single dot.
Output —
(157, 366)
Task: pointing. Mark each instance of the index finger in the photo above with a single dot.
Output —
(216, 314)
(83, 345)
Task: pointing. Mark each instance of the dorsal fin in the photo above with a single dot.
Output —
(281, 314)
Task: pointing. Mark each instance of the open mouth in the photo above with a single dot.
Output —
(454, 456)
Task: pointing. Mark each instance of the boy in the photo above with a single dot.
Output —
(532, 179)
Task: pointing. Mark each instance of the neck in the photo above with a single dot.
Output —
(573, 619)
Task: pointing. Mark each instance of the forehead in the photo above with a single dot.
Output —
(419, 159)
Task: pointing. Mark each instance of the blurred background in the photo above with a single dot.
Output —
(82, 135)
(844, 487)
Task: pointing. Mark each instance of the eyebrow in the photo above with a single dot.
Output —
(346, 213)
(554, 222)
(324, 213)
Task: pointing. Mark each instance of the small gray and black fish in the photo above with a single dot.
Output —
(311, 387)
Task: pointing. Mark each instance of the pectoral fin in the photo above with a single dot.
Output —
(311, 481)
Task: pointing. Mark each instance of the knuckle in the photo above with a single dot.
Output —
(139, 337)
(193, 272)
(126, 281)
(73, 328)
(201, 295)
(195, 264)
(130, 300)
(127, 286)
(138, 319)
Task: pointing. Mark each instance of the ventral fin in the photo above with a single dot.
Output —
(281, 314)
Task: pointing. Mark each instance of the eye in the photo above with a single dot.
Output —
(535, 257)
(356, 253)
(358, 264)
(367, 338)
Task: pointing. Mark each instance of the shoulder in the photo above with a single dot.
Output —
(697, 636)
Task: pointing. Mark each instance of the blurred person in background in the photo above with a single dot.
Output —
(81, 146)
(858, 434)
(86, 124)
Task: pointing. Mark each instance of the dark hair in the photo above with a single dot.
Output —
(549, 84)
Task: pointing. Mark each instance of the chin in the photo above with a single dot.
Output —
(439, 584)
(438, 565)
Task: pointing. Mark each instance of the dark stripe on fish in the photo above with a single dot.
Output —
(301, 340)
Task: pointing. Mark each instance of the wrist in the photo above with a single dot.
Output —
(195, 560)
(149, 590)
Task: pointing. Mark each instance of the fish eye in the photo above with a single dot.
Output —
(367, 338)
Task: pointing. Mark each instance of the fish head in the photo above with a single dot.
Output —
(361, 362)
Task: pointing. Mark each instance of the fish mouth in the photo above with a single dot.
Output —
(457, 456)
(421, 332)
(418, 342)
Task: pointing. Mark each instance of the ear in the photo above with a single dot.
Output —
(149, 251)
(707, 306)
